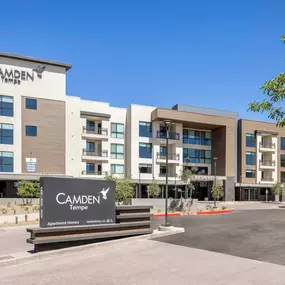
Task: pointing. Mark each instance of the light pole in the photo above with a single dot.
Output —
(215, 171)
(167, 124)
(240, 178)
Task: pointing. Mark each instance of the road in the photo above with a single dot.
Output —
(144, 262)
(13, 240)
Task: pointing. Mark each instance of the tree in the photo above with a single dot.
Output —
(275, 90)
(153, 189)
(125, 188)
(187, 177)
(217, 192)
(28, 190)
(276, 190)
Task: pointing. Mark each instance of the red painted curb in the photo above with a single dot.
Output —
(191, 214)
(215, 212)
(169, 214)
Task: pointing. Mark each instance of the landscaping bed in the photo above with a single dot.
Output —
(15, 209)
(200, 212)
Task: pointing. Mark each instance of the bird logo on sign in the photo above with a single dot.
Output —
(39, 70)
(104, 193)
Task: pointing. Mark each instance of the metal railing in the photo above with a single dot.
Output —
(171, 156)
(102, 153)
(172, 136)
(267, 179)
(267, 145)
(162, 174)
(94, 172)
(267, 162)
(187, 140)
(95, 131)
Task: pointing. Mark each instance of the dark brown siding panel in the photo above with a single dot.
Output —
(219, 149)
(48, 147)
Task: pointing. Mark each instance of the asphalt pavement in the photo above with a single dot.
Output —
(258, 234)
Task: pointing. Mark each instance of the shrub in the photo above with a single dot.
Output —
(14, 211)
(158, 211)
(224, 207)
(9, 204)
(36, 208)
(4, 211)
(27, 209)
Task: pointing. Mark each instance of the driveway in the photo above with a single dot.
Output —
(258, 234)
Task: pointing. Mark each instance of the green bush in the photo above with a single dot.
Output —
(224, 208)
(158, 211)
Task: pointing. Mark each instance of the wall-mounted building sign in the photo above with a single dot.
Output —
(74, 202)
(31, 164)
(15, 76)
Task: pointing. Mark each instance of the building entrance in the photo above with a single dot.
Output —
(250, 194)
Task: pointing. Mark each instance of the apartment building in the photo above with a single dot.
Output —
(45, 132)
(261, 155)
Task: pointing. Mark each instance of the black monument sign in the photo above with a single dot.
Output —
(73, 202)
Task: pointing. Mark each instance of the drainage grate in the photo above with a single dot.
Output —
(6, 257)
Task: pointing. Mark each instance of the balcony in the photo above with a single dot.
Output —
(95, 155)
(163, 174)
(263, 147)
(95, 133)
(267, 164)
(197, 141)
(94, 173)
(172, 136)
(267, 179)
(172, 158)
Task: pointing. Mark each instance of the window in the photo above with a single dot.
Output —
(117, 131)
(145, 129)
(282, 176)
(145, 150)
(90, 126)
(6, 133)
(117, 151)
(6, 106)
(250, 158)
(250, 140)
(282, 160)
(6, 161)
(162, 169)
(117, 168)
(145, 168)
(31, 131)
(162, 150)
(31, 103)
(196, 156)
(90, 146)
(282, 143)
(90, 167)
(250, 173)
(196, 137)
(263, 191)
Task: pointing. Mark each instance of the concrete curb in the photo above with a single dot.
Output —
(194, 214)
(26, 257)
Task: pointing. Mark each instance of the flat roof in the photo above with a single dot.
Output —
(33, 59)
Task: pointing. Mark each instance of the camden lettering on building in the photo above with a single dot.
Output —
(16, 76)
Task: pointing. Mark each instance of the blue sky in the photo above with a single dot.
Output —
(204, 53)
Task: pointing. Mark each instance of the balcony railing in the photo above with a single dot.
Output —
(102, 153)
(267, 162)
(95, 131)
(172, 136)
(267, 179)
(188, 140)
(94, 173)
(162, 174)
(267, 145)
(171, 156)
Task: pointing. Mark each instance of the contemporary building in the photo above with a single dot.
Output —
(261, 155)
(46, 132)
